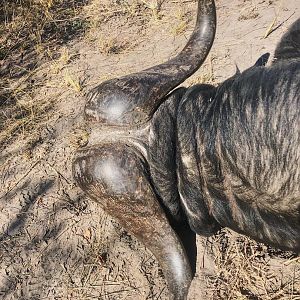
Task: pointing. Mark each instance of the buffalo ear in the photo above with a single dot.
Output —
(262, 61)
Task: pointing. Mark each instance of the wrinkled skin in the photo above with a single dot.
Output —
(200, 158)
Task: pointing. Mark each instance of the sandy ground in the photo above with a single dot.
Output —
(55, 243)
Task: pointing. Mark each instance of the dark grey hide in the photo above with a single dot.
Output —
(209, 157)
(237, 154)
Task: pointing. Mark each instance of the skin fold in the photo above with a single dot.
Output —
(168, 163)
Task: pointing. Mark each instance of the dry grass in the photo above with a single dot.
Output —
(35, 26)
(246, 269)
(32, 31)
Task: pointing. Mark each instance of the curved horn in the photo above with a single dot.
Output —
(132, 99)
(115, 176)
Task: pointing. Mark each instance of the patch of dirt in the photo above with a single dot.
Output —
(55, 243)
